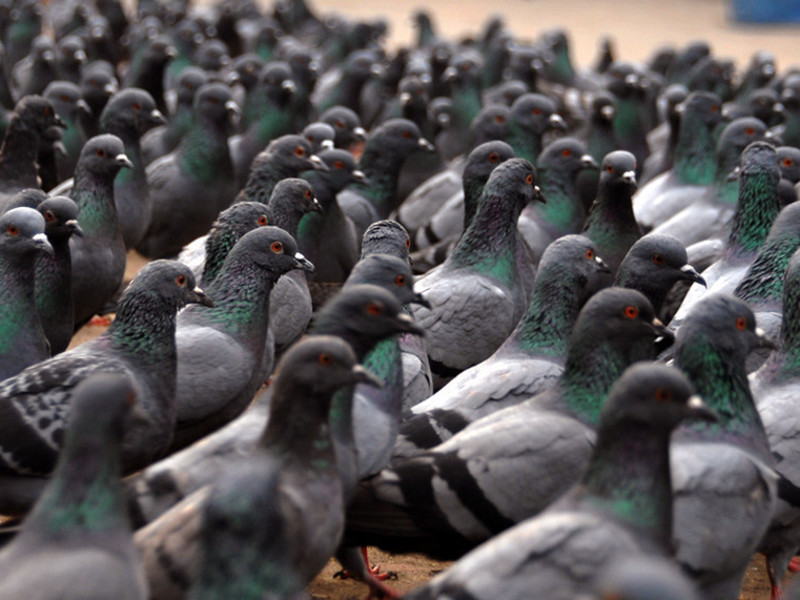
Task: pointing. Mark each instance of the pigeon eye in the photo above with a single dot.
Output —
(299, 151)
(400, 280)
(408, 243)
(181, 280)
(374, 309)
(310, 138)
(325, 359)
(308, 194)
(788, 162)
(750, 131)
(741, 323)
(590, 254)
(213, 100)
(610, 169)
(631, 312)
(277, 247)
(663, 395)
(262, 220)
(101, 153)
(47, 111)
(658, 259)
(499, 119)
(566, 153)
(494, 157)
(137, 106)
(49, 216)
(12, 229)
(64, 97)
(338, 164)
(339, 125)
(715, 108)
(529, 179)
(537, 111)
(406, 134)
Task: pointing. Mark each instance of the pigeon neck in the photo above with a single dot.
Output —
(552, 312)
(627, 120)
(629, 477)
(19, 150)
(133, 150)
(386, 362)
(527, 144)
(94, 195)
(561, 68)
(694, 158)
(18, 316)
(473, 188)
(285, 215)
(467, 104)
(203, 154)
(758, 206)
(218, 244)
(721, 380)
(144, 329)
(489, 244)
(381, 164)
(179, 124)
(262, 180)
(563, 208)
(790, 326)
(764, 280)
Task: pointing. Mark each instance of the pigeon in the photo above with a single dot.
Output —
(629, 84)
(653, 265)
(462, 76)
(190, 186)
(773, 387)
(69, 106)
(79, 527)
(343, 85)
(528, 362)
(24, 24)
(164, 139)
(346, 125)
(32, 117)
(531, 116)
(22, 240)
(139, 343)
(387, 147)
(621, 508)
(37, 69)
(298, 435)
(448, 499)
(147, 67)
(221, 349)
(320, 135)
(480, 278)
(644, 578)
(70, 58)
(245, 69)
(98, 257)
(789, 164)
(724, 484)
(663, 139)
(54, 272)
(610, 223)
(98, 83)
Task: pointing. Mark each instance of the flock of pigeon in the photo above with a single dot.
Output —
(541, 322)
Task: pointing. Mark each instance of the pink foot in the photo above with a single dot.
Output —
(98, 321)
(794, 564)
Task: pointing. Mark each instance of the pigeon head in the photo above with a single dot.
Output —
(30, 197)
(158, 50)
(66, 98)
(132, 111)
(104, 155)
(320, 135)
(536, 114)
(618, 171)
(341, 169)
(214, 103)
(401, 136)
(346, 124)
(189, 81)
(735, 138)
(567, 155)
(654, 395)
(703, 105)
(247, 68)
(389, 272)
(321, 364)
(514, 178)
(483, 160)
(275, 81)
(37, 114)
(43, 49)
(386, 237)
(161, 285)
(604, 106)
(212, 55)
(241, 218)
(98, 83)
(789, 163)
(60, 218)
(271, 249)
(292, 153)
(71, 50)
(725, 323)
(491, 123)
(22, 232)
(572, 256)
(295, 195)
(363, 314)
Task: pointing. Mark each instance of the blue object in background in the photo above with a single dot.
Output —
(766, 11)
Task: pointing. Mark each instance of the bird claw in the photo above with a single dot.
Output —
(98, 321)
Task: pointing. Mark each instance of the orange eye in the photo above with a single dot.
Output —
(310, 138)
(741, 323)
(308, 194)
(262, 220)
(64, 97)
(101, 153)
(537, 111)
(213, 100)
(137, 106)
(499, 119)
(566, 153)
(300, 151)
(658, 259)
(663, 395)
(494, 157)
(338, 164)
(374, 309)
(610, 169)
(590, 254)
(529, 179)
(400, 280)
(406, 134)
(715, 108)
(631, 312)
(339, 125)
(49, 216)
(325, 359)
(12, 229)
(408, 243)
(750, 131)
(47, 111)
(181, 280)
(788, 162)
(277, 247)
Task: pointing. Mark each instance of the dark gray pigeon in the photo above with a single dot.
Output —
(70, 107)
(644, 578)
(221, 349)
(140, 343)
(622, 506)
(299, 436)
(80, 527)
(23, 340)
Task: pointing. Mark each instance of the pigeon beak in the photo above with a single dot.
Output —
(48, 56)
(233, 112)
(317, 163)
(111, 88)
(73, 226)
(764, 341)
(81, 104)
(359, 176)
(60, 148)
(157, 117)
(124, 161)
(201, 298)
(690, 273)
(588, 162)
(733, 175)
(170, 52)
(289, 86)
(608, 112)
(601, 265)
(364, 375)
(41, 242)
(557, 122)
(700, 410)
(631, 80)
(327, 145)
(360, 134)
(665, 337)
(630, 177)
(405, 98)
(449, 74)
(407, 325)
(59, 121)
(232, 78)
(426, 145)
(301, 262)
(316, 206)
(419, 299)
(80, 56)
(537, 195)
